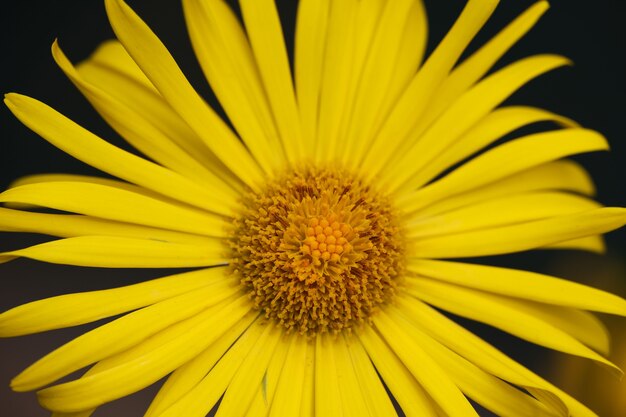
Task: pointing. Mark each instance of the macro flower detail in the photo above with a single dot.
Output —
(325, 231)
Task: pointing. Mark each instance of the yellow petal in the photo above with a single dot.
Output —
(504, 313)
(121, 334)
(328, 401)
(374, 394)
(288, 397)
(461, 116)
(335, 77)
(159, 66)
(477, 65)
(424, 368)
(558, 175)
(307, 408)
(495, 125)
(521, 237)
(593, 244)
(402, 385)
(120, 252)
(188, 376)
(200, 400)
(410, 107)
(111, 69)
(74, 309)
(504, 161)
(139, 132)
(310, 45)
(499, 212)
(227, 61)
(484, 388)
(117, 204)
(353, 397)
(521, 284)
(482, 354)
(268, 45)
(85, 146)
(376, 75)
(68, 225)
(192, 337)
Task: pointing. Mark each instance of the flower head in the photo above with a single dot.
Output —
(320, 227)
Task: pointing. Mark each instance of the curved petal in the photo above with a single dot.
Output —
(266, 38)
(408, 110)
(328, 401)
(87, 147)
(461, 116)
(119, 252)
(178, 344)
(561, 175)
(521, 237)
(289, 390)
(228, 63)
(159, 66)
(504, 161)
(138, 131)
(498, 212)
(424, 368)
(80, 308)
(504, 313)
(414, 401)
(521, 284)
(117, 204)
(122, 333)
(492, 127)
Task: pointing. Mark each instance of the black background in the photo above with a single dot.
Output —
(593, 92)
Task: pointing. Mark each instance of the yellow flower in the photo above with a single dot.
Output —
(319, 227)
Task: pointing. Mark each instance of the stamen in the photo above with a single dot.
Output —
(318, 250)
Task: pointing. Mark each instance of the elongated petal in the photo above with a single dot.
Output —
(120, 252)
(593, 244)
(503, 313)
(228, 63)
(374, 394)
(521, 237)
(487, 357)
(266, 37)
(463, 114)
(240, 391)
(558, 175)
(85, 146)
(500, 212)
(495, 125)
(289, 391)
(185, 378)
(116, 204)
(328, 401)
(121, 334)
(194, 335)
(521, 284)
(199, 400)
(424, 368)
(377, 72)
(310, 46)
(493, 393)
(68, 225)
(477, 65)
(405, 388)
(504, 161)
(409, 108)
(159, 66)
(354, 402)
(111, 69)
(74, 309)
(138, 131)
(337, 68)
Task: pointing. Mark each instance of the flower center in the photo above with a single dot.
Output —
(318, 250)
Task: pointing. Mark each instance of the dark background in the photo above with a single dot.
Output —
(593, 92)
